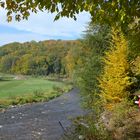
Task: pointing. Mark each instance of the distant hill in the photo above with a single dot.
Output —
(35, 58)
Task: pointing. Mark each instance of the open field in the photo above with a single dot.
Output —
(23, 87)
(14, 91)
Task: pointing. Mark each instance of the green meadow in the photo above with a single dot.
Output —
(29, 90)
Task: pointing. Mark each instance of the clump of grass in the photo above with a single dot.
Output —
(4, 103)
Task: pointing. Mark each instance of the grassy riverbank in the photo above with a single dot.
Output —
(28, 90)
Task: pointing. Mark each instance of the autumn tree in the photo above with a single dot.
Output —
(115, 80)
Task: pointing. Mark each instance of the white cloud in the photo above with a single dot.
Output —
(8, 38)
(42, 24)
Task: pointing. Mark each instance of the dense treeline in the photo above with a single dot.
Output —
(108, 57)
(36, 58)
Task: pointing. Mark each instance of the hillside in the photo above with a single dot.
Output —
(36, 58)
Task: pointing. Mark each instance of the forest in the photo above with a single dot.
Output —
(36, 58)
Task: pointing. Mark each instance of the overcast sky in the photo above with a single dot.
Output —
(42, 27)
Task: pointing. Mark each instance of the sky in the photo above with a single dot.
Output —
(41, 26)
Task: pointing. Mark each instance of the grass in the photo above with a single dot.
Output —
(13, 92)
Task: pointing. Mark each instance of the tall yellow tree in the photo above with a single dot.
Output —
(115, 79)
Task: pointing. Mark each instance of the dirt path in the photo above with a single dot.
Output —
(40, 121)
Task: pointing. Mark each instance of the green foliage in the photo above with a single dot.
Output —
(111, 12)
(115, 80)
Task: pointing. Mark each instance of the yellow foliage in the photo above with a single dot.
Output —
(114, 79)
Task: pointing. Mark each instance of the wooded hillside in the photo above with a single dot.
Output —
(35, 58)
